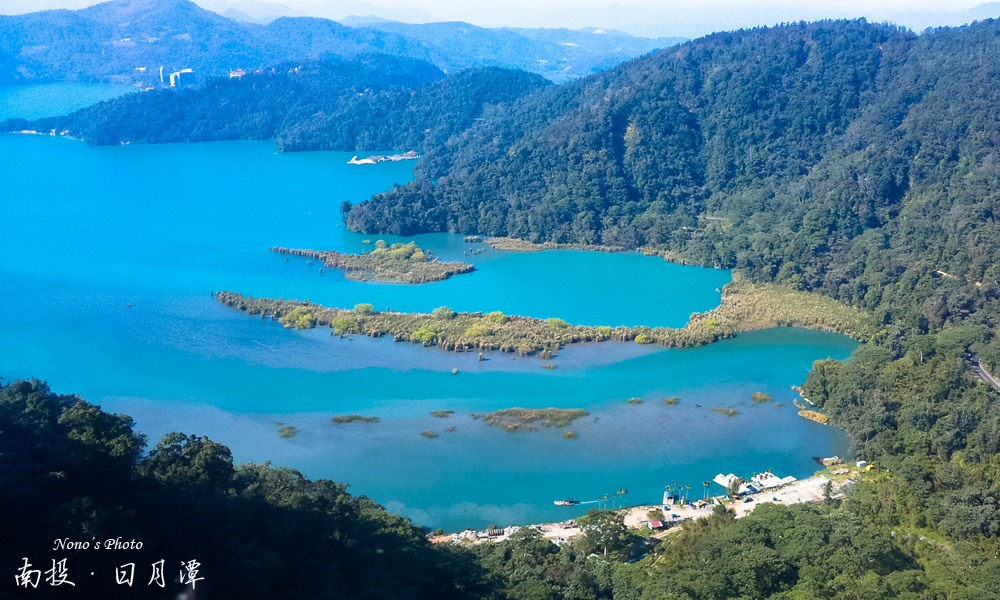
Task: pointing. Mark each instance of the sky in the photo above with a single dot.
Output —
(650, 18)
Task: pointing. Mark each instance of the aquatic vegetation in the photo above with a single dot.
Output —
(429, 434)
(497, 317)
(472, 239)
(345, 419)
(635, 401)
(557, 324)
(813, 415)
(779, 404)
(509, 244)
(525, 419)
(342, 325)
(442, 414)
(745, 307)
(570, 435)
(443, 312)
(398, 263)
(761, 398)
(728, 411)
(549, 366)
(671, 401)
(478, 331)
(298, 318)
(288, 431)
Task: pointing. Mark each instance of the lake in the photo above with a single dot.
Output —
(53, 99)
(90, 231)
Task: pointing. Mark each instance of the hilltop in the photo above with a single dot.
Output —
(127, 41)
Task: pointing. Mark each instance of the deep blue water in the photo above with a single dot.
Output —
(89, 231)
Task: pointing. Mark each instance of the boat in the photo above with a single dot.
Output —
(566, 502)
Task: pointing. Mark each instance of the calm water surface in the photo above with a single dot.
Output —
(92, 230)
(53, 99)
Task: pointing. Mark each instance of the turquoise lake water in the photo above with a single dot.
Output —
(89, 231)
(53, 99)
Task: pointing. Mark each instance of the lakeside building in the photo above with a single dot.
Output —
(182, 78)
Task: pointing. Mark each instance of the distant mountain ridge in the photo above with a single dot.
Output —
(127, 41)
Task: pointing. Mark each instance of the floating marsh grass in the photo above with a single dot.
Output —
(429, 434)
(745, 307)
(570, 435)
(288, 431)
(509, 244)
(728, 411)
(813, 415)
(345, 419)
(525, 419)
(442, 414)
(761, 398)
(398, 263)
(671, 401)
(634, 401)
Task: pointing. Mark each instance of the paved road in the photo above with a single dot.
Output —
(984, 375)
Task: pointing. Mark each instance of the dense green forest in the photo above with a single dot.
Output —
(127, 41)
(70, 470)
(374, 102)
(849, 158)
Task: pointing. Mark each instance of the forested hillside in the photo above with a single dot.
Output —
(127, 41)
(73, 472)
(369, 103)
(70, 470)
(843, 157)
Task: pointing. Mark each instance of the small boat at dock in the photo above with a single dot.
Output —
(567, 502)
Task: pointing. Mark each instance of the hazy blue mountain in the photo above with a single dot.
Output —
(559, 54)
(127, 41)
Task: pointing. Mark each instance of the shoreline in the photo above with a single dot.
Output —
(801, 491)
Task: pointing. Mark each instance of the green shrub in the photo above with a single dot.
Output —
(342, 325)
(478, 331)
(497, 317)
(557, 324)
(298, 318)
(443, 312)
(643, 338)
(364, 309)
(427, 333)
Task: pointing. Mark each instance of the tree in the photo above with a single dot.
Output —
(604, 532)
(733, 487)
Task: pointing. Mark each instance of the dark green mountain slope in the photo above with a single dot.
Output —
(844, 157)
(370, 103)
(73, 472)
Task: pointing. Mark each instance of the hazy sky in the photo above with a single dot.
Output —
(688, 18)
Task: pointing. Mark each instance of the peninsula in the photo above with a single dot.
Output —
(398, 263)
(745, 307)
